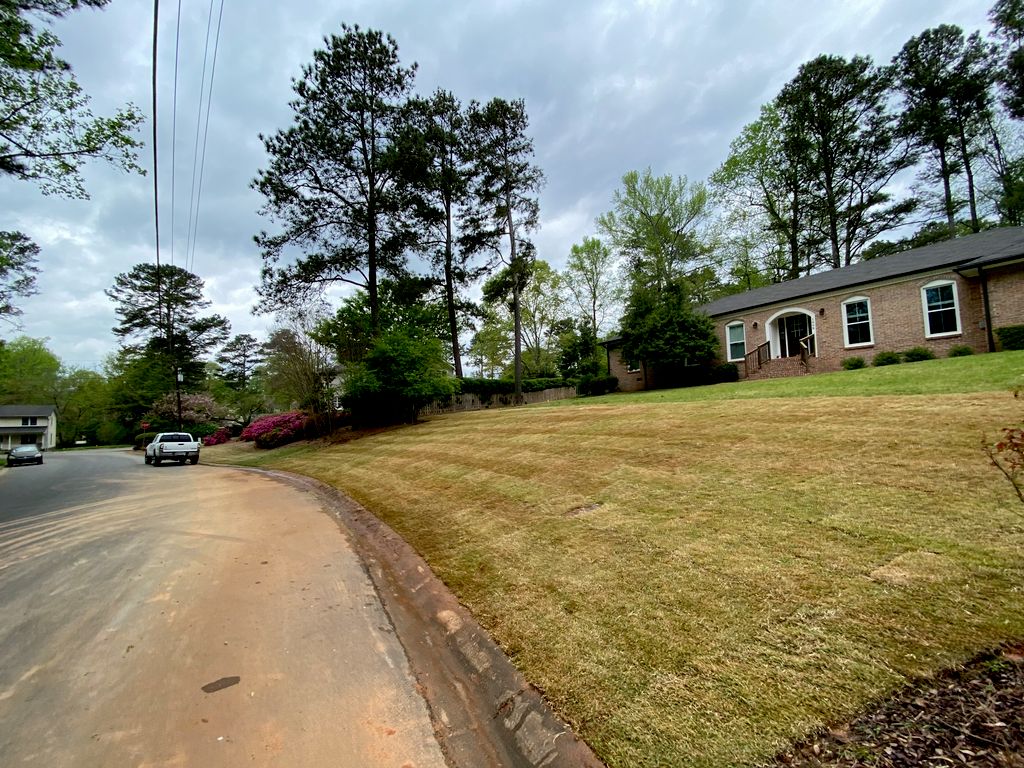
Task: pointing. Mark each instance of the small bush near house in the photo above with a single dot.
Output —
(853, 363)
(143, 439)
(916, 354)
(1011, 336)
(887, 358)
(960, 350)
(724, 372)
(276, 430)
(221, 435)
(596, 385)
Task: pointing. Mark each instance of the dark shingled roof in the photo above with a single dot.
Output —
(17, 411)
(968, 252)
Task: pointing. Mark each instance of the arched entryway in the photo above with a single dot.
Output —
(788, 329)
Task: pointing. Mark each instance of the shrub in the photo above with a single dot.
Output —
(853, 363)
(143, 439)
(723, 372)
(1011, 336)
(398, 376)
(590, 386)
(485, 389)
(222, 435)
(917, 354)
(887, 358)
(276, 430)
(960, 350)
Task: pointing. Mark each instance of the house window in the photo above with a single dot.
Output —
(28, 421)
(632, 366)
(736, 338)
(857, 322)
(941, 311)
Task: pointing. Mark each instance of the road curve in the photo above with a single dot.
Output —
(191, 616)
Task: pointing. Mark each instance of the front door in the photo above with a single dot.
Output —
(792, 328)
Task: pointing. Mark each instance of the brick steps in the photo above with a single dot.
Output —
(778, 368)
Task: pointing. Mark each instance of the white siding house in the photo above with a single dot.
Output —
(26, 424)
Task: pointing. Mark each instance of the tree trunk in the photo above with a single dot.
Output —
(449, 292)
(965, 153)
(947, 191)
(516, 313)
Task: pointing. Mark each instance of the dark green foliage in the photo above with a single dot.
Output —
(47, 130)
(1007, 18)
(960, 350)
(853, 363)
(18, 270)
(887, 358)
(596, 385)
(837, 128)
(578, 353)
(916, 354)
(143, 439)
(662, 330)
(335, 182)
(397, 377)
(1011, 337)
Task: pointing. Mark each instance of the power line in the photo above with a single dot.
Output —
(206, 131)
(195, 149)
(156, 186)
(174, 125)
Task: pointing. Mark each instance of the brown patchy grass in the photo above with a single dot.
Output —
(701, 583)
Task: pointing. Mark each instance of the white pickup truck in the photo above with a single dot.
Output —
(172, 446)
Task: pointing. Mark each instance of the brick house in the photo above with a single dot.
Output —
(939, 296)
(27, 425)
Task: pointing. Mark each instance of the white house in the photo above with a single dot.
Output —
(27, 424)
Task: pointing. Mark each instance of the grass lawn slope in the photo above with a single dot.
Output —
(700, 577)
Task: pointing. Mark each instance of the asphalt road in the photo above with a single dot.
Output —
(191, 616)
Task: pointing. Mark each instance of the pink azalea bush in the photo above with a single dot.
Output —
(222, 435)
(275, 430)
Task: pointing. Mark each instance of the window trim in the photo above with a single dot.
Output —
(956, 309)
(728, 342)
(846, 323)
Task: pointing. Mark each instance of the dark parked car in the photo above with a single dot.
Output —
(24, 454)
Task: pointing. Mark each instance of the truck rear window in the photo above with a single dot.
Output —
(176, 439)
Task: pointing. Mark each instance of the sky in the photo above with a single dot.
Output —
(610, 86)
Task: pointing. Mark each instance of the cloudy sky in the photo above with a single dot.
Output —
(610, 86)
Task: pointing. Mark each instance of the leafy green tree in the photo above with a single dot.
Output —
(335, 180)
(836, 125)
(411, 303)
(578, 353)
(662, 329)
(47, 131)
(946, 81)
(29, 372)
(543, 305)
(137, 378)
(654, 224)
(297, 368)
(590, 279)
(439, 155)
(239, 359)
(82, 403)
(177, 340)
(18, 270)
(768, 217)
(1007, 18)
(399, 375)
(491, 346)
(506, 187)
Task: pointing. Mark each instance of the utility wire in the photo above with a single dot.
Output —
(174, 125)
(206, 131)
(156, 186)
(195, 149)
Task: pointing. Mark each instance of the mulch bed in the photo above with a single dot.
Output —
(970, 716)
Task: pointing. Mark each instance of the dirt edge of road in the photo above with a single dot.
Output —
(485, 713)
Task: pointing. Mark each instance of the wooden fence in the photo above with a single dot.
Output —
(471, 402)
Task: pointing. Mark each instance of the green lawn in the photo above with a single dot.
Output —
(698, 577)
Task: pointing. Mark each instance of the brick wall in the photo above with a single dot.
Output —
(897, 317)
(1006, 295)
(629, 381)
